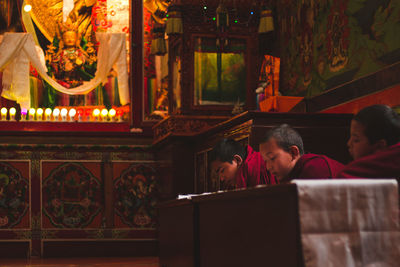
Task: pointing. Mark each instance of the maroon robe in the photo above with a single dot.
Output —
(382, 164)
(313, 166)
(253, 172)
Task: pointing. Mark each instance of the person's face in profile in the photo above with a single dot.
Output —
(278, 161)
(358, 144)
(226, 172)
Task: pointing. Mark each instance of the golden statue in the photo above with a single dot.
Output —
(47, 13)
(70, 64)
(67, 62)
(157, 8)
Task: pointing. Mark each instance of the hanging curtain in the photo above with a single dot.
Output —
(18, 49)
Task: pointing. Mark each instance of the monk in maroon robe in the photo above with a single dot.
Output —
(283, 151)
(382, 164)
(237, 166)
(374, 144)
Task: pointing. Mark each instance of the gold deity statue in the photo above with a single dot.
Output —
(69, 62)
(47, 13)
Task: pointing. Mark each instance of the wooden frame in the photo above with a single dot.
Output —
(249, 104)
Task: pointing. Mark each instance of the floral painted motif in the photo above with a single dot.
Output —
(135, 196)
(72, 196)
(14, 196)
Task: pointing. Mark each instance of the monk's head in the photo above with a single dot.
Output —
(372, 129)
(226, 157)
(281, 147)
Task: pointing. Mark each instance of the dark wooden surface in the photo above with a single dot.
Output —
(14, 249)
(100, 248)
(99, 261)
(254, 227)
(177, 233)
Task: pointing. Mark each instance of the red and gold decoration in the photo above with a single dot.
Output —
(72, 196)
(135, 196)
(14, 196)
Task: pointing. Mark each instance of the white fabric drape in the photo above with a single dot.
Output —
(349, 222)
(68, 5)
(18, 49)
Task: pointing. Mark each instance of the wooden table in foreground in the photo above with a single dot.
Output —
(253, 227)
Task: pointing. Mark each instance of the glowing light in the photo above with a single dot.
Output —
(27, 8)
(71, 114)
(64, 113)
(104, 113)
(12, 111)
(120, 113)
(56, 113)
(32, 112)
(111, 114)
(4, 114)
(39, 114)
(80, 113)
(96, 114)
(23, 114)
(88, 113)
(47, 112)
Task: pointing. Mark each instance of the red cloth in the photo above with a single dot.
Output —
(383, 164)
(253, 172)
(313, 166)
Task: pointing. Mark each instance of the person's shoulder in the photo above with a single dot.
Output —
(312, 159)
(317, 157)
(395, 147)
(321, 166)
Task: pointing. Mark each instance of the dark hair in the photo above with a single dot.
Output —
(380, 122)
(285, 137)
(226, 149)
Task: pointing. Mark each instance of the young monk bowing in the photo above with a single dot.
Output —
(374, 144)
(237, 166)
(283, 152)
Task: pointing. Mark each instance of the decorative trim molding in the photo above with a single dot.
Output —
(181, 125)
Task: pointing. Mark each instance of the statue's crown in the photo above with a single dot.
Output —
(67, 27)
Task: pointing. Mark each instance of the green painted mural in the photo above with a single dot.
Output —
(329, 42)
